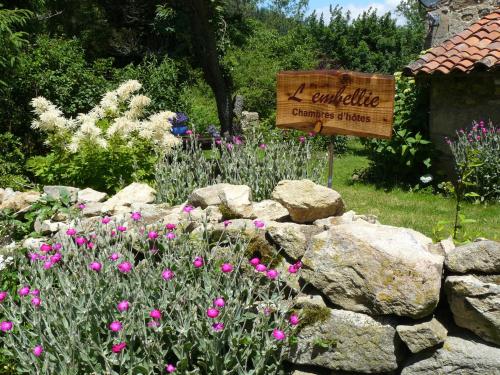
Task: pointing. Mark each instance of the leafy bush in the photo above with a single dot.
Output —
(129, 301)
(247, 162)
(200, 106)
(484, 141)
(408, 154)
(110, 146)
(12, 172)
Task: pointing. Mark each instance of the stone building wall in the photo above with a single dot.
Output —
(455, 16)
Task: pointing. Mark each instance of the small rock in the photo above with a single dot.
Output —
(49, 226)
(481, 256)
(346, 218)
(56, 192)
(90, 195)
(303, 300)
(19, 200)
(307, 201)
(218, 194)
(151, 213)
(288, 237)
(422, 336)
(33, 244)
(269, 210)
(133, 193)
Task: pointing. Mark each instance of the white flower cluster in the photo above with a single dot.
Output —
(123, 110)
(5, 261)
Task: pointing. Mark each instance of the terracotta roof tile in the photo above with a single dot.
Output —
(477, 47)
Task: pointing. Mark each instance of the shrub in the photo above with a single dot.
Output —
(110, 146)
(242, 162)
(484, 141)
(130, 301)
(12, 172)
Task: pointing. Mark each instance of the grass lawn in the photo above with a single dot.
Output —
(418, 210)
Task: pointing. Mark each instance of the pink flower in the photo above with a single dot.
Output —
(298, 264)
(170, 368)
(125, 267)
(71, 232)
(302, 139)
(262, 146)
(258, 224)
(218, 141)
(115, 326)
(272, 274)
(226, 267)
(217, 327)
(254, 261)
(57, 246)
(6, 326)
(118, 347)
(36, 302)
(95, 266)
(198, 262)
(105, 220)
(188, 208)
(155, 314)
(153, 323)
(114, 257)
(56, 258)
(189, 132)
(294, 319)
(237, 140)
(312, 134)
(170, 235)
(136, 216)
(212, 313)
(38, 350)
(81, 206)
(227, 223)
(229, 146)
(167, 274)
(24, 291)
(80, 241)
(260, 268)
(170, 226)
(279, 334)
(113, 233)
(47, 265)
(35, 292)
(45, 247)
(152, 235)
(123, 306)
(219, 302)
(3, 295)
(292, 269)
(121, 228)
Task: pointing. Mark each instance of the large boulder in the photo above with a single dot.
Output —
(376, 269)
(307, 201)
(133, 193)
(56, 192)
(269, 210)
(218, 194)
(458, 356)
(348, 341)
(422, 336)
(291, 238)
(91, 195)
(19, 200)
(481, 256)
(475, 304)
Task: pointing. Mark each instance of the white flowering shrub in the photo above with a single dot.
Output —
(125, 300)
(111, 145)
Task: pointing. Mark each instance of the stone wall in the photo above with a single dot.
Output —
(455, 16)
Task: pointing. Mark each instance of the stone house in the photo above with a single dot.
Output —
(463, 73)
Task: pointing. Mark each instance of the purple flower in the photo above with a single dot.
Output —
(153, 324)
(292, 269)
(226, 267)
(218, 141)
(155, 314)
(152, 235)
(47, 265)
(24, 291)
(170, 235)
(198, 262)
(170, 368)
(298, 264)
(219, 302)
(119, 347)
(3, 295)
(90, 245)
(188, 208)
(95, 266)
(217, 327)
(254, 261)
(6, 326)
(45, 247)
(260, 268)
(57, 246)
(115, 326)
(125, 267)
(262, 146)
(237, 140)
(35, 292)
(279, 334)
(170, 226)
(80, 241)
(56, 258)
(123, 306)
(294, 319)
(167, 274)
(71, 232)
(136, 216)
(272, 274)
(105, 220)
(38, 350)
(229, 146)
(121, 228)
(259, 224)
(302, 139)
(36, 302)
(212, 313)
(114, 257)
(81, 206)
(227, 223)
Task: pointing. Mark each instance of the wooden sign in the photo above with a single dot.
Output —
(336, 102)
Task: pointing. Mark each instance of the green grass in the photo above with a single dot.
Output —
(417, 210)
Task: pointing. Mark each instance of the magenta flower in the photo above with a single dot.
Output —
(24, 291)
(294, 319)
(272, 274)
(292, 269)
(3, 295)
(218, 141)
(95, 266)
(170, 368)
(81, 206)
(113, 233)
(260, 268)
(114, 257)
(136, 216)
(105, 220)
(170, 226)
(45, 247)
(71, 232)
(198, 262)
(229, 146)
(227, 223)
(121, 228)
(262, 146)
(219, 302)
(56, 258)
(123, 306)
(188, 208)
(167, 274)
(212, 313)
(152, 235)
(115, 326)
(6, 326)
(125, 267)
(254, 261)
(302, 139)
(237, 140)
(155, 314)
(170, 235)
(90, 245)
(312, 134)
(57, 246)
(217, 327)
(80, 241)
(35, 292)
(153, 324)
(226, 267)
(298, 264)
(38, 350)
(36, 302)
(259, 224)
(47, 265)
(119, 347)
(279, 334)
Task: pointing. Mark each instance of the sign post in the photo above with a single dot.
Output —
(332, 102)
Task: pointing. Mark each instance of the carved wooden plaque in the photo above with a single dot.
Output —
(336, 102)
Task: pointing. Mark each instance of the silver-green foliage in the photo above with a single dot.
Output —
(78, 304)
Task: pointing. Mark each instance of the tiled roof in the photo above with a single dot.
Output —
(478, 47)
